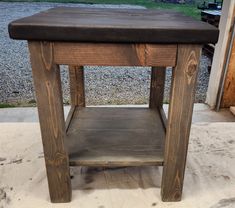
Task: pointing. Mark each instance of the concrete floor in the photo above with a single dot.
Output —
(209, 176)
(202, 113)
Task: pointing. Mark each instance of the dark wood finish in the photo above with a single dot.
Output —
(47, 84)
(77, 90)
(113, 25)
(115, 137)
(157, 85)
(158, 75)
(179, 121)
(109, 54)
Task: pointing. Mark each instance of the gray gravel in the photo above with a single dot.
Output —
(104, 85)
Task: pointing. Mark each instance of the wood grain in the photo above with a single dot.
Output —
(228, 98)
(221, 50)
(46, 76)
(157, 87)
(77, 90)
(108, 54)
(179, 121)
(113, 25)
(115, 137)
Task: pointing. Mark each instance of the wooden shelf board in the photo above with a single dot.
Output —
(115, 137)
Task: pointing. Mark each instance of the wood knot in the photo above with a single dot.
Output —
(57, 159)
(191, 67)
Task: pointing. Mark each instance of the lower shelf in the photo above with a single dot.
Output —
(115, 137)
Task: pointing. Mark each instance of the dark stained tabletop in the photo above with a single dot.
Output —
(112, 25)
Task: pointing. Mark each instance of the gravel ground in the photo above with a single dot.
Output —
(103, 85)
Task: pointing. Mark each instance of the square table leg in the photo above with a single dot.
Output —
(179, 121)
(158, 75)
(77, 91)
(47, 84)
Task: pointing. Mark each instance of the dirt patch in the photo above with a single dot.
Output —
(230, 202)
(4, 199)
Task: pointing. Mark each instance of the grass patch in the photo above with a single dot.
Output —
(187, 9)
(6, 105)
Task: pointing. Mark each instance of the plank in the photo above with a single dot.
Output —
(115, 137)
(179, 121)
(46, 76)
(228, 98)
(220, 55)
(109, 54)
(77, 90)
(113, 25)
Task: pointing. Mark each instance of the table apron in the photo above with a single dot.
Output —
(109, 54)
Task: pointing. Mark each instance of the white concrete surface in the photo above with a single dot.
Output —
(202, 113)
(209, 177)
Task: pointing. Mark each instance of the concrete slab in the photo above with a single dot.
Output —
(202, 113)
(209, 177)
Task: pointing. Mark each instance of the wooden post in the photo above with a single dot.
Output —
(157, 87)
(47, 84)
(220, 54)
(179, 121)
(228, 98)
(77, 91)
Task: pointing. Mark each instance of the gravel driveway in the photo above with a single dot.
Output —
(104, 85)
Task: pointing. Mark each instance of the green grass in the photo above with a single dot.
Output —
(188, 9)
(6, 105)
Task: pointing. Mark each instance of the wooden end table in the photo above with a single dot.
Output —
(114, 136)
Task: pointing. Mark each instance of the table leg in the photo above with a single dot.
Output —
(179, 121)
(77, 91)
(157, 87)
(47, 84)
